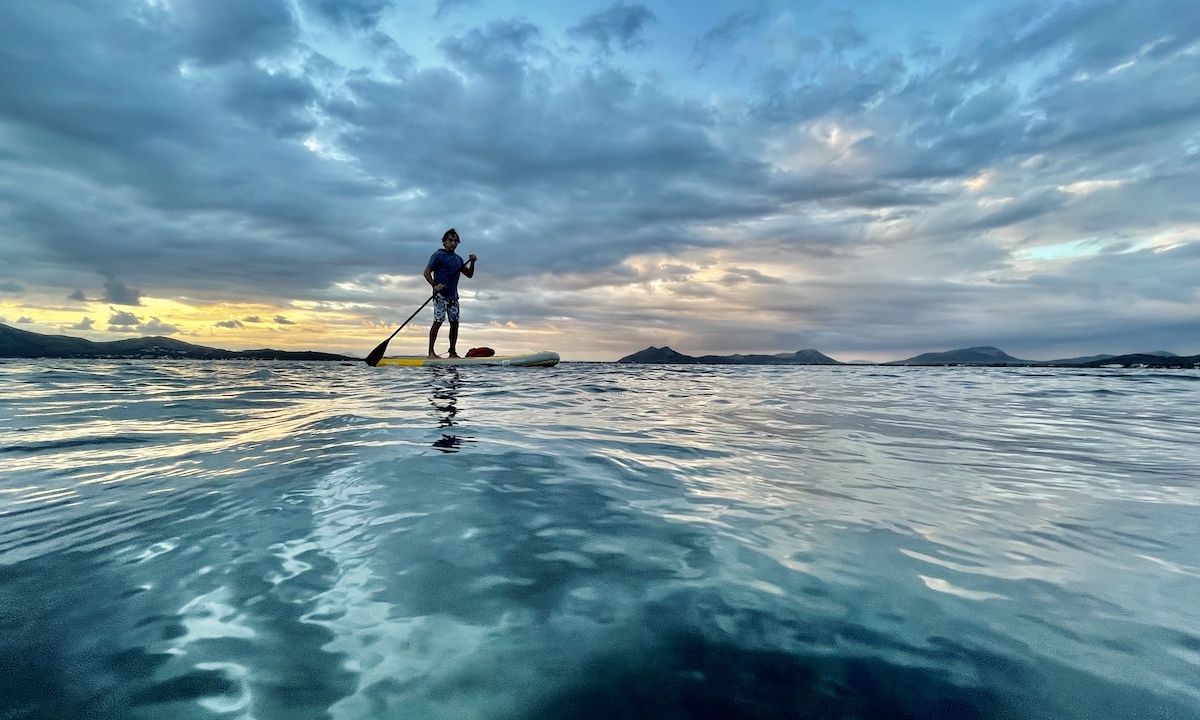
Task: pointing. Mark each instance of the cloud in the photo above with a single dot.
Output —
(1087, 187)
(277, 102)
(158, 327)
(353, 14)
(123, 317)
(501, 51)
(78, 296)
(231, 324)
(84, 324)
(221, 31)
(123, 321)
(719, 38)
(738, 276)
(8, 286)
(252, 319)
(445, 7)
(844, 33)
(618, 24)
(281, 320)
(24, 320)
(117, 293)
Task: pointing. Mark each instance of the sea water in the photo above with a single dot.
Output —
(328, 540)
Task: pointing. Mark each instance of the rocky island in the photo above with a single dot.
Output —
(668, 356)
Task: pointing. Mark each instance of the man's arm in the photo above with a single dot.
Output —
(469, 266)
(429, 279)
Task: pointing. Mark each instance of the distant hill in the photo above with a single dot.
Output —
(988, 355)
(1089, 359)
(1079, 360)
(663, 354)
(25, 344)
(666, 355)
(982, 355)
(1154, 360)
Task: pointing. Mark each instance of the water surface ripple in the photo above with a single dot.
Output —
(323, 540)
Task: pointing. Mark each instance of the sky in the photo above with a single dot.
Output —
(870, 179)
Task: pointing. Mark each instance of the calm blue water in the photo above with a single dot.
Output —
(292, 540)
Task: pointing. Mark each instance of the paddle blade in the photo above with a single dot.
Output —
(377, 354)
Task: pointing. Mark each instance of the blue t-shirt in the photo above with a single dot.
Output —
(445, 266)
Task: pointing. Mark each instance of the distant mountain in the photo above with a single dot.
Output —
(1079, 360)
(982, 355)
(25, 344)
(1089, 359)
(663, 354)
(666, 355)
(809, 357)
(1154, 360)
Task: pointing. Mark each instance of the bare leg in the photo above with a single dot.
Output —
(453, 339)
(433, 333)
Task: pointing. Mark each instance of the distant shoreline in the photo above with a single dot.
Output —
(980, 356)
(23, 344)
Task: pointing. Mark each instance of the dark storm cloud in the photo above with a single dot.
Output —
(173, 143)
(274, 101)
(949, 114)
(791, 95)
(617, 24)
(502, 50)
(78, 296)
(1025, 209)
(221, 31)
(1167, 275)
(1096, 35)
(1104, 56)
(354, 14)
(398, 63)
(596, 156)
(116, 292)
(844, 33)
(719, 38)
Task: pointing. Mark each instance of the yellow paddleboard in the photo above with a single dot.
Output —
(544, 358)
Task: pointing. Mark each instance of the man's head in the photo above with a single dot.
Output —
(450, 239)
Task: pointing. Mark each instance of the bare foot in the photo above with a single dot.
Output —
(452, 354)
(432, 356)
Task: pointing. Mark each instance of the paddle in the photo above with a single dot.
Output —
(377, 354)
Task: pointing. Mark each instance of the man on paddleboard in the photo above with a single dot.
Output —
(442, 273)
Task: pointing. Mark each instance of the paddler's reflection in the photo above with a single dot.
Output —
(446, 383)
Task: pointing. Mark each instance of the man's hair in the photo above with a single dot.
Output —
(449, 234)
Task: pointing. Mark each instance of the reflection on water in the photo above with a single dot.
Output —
(291, 540)
(444, 398)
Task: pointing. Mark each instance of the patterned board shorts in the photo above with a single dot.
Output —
(443, 308)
